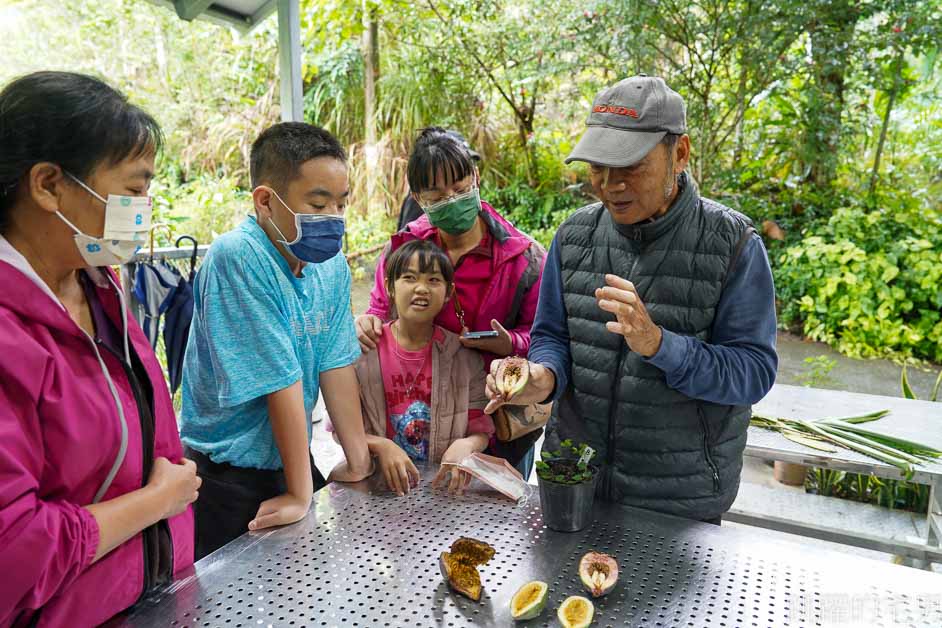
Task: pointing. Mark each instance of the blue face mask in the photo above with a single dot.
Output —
(319, 237)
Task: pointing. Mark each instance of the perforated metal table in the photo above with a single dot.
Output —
(366, 558)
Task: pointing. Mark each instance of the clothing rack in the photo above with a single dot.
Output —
(170, 253)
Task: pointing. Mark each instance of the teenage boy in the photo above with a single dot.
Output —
(272, 328)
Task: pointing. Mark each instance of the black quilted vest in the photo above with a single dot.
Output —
(658, 448)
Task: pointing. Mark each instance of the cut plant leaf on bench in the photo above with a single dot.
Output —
(848, 432)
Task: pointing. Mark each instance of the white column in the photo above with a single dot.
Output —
(289, 60)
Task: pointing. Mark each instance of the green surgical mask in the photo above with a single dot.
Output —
(455, 215)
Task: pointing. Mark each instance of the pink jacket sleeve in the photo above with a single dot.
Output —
(480, 423)
(45, 544)
(520, 335)
(379, 300)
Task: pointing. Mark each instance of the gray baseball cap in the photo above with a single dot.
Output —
(628, 119)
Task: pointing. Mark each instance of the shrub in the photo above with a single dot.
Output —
(869, 281)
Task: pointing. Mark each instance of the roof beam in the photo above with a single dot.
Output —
(264, 11)
(218, 14)
(189, 10)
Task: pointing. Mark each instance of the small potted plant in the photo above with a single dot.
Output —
(567, 486)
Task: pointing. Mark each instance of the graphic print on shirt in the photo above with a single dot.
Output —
(407, 384)
(412, 430)
(313, 323)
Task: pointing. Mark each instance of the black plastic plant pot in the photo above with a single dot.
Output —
(568, 507)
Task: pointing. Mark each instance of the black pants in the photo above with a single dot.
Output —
(519, 453)
(230, 497)
(717, 521)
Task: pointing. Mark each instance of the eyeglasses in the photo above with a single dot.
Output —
(428, 199)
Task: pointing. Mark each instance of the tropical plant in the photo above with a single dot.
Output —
(818, 370)
(869, 281)
(895, 494)
(907, 390)
(567, 465)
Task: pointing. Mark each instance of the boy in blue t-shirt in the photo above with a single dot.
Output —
(271, 328)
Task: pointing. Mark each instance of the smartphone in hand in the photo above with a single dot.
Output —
(477, 335)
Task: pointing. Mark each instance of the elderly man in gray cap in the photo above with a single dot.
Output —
(655, 330)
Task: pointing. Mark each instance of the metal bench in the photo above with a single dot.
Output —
(915, 420)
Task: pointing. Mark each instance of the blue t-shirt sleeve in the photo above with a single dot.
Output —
(739, 363)
(342, 348)
(248, 337)
(549, 335)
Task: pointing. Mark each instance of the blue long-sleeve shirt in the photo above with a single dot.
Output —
(737, 366)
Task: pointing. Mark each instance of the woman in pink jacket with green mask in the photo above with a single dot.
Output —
(497, 267)
(94, 492)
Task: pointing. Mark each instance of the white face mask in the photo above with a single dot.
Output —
(127, 221)
(100, 252)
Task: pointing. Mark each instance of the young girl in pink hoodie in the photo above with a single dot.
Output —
(94, 493)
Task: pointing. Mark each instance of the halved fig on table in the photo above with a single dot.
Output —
(598, 572)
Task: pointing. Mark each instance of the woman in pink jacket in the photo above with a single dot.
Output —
(94, 493)
(497, 267)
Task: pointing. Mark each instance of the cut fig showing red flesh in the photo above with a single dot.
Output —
(598, 572)
(512, 376)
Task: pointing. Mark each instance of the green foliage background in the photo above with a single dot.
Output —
(787, 103)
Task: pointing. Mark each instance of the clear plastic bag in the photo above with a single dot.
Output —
(498, 474)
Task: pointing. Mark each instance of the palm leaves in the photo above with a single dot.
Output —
(849, 433)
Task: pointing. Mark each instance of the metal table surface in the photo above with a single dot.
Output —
(364, 557)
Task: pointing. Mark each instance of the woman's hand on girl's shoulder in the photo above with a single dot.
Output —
(369, 328)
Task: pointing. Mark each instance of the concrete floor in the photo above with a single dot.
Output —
(876, 377)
